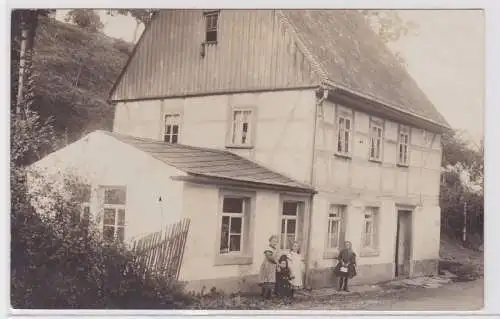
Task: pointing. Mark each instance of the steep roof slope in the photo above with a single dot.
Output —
(352, 56)
(210, 162)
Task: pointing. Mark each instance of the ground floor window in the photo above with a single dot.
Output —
(370, 227)
(114, 208)
(291, 223)
(335, 227)
(233, 224)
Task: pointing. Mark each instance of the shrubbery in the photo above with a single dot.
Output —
(59, 262)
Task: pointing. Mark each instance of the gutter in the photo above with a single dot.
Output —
(311, 179)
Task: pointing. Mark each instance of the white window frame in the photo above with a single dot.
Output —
(341, 134)
(370, 217)
(171, 119)
(376, 136)
(403, 151)
(245, 202)
(339, 212)
(116, 208)
(236, 127)
(283, 242)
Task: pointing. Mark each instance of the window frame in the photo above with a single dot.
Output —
(116, 207)
(300, 220)
(378, 125)
(340, 210)
(208, 15)
(245, 255)
(178, 118)
(403, 130)
(232, 130)
(374, 216)
(344, 115)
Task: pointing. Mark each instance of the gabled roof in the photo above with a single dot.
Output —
(348, 53)
(211, 163)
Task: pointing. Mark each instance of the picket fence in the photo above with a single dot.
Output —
(162, 252)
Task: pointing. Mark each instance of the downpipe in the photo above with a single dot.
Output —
(318, 104)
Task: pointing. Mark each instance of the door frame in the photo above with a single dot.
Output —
(408, 210)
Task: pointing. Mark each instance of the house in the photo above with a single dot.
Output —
(258, 122)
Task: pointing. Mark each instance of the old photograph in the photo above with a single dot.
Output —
(247, 159)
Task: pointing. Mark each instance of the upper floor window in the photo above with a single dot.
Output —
(403, 143)
(376, 140)
(211, 26)
(114, 213)
(241, 126)
(172, 123)
(344, 134)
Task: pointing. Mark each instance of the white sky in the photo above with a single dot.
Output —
(446, 58)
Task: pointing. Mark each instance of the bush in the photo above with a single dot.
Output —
(59, 262)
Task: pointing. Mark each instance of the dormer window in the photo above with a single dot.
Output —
(211, 25)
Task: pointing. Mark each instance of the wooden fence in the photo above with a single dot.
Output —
(162, 252)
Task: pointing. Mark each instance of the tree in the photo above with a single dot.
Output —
(390, 26)
(87, 19)
(141, 16)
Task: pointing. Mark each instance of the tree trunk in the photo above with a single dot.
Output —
(28, 24)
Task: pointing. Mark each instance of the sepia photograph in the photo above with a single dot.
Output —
(247, 159)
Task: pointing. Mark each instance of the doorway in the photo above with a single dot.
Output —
(402, 256)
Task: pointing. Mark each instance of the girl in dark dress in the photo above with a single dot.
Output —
(346, 266)
(283, 278)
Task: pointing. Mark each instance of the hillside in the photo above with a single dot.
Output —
(74, 72)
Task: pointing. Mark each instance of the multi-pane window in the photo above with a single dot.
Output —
(289, 224)
(212, 21)
(241, 127)
(370, 227)
(172, 123)
(336, 215)
(403, 142)
(114, 208)
(344, 129)
(376, 140)
(233, 225)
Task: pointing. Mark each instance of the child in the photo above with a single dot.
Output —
(268, 268)
(346, 267)
(283, 278)
(296, 265)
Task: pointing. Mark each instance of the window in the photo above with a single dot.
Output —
(114, 213)
(344, 134)
(241, 128)
(335, 227)
(370, 228)
(212, 21)
(289, 224)
(376, 140)
(403, 141)
(233, 225)
(172, 122)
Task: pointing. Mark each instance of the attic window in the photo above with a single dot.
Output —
(212, 21)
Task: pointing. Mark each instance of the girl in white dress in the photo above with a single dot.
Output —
(296, 265)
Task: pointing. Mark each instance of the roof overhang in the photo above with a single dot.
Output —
(375, 107)
(211, 180)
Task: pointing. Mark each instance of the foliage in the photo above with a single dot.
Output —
(60, 262)
(140, 15)
(87, 19)
(461, 161)
(74, 72)
(390, 26)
